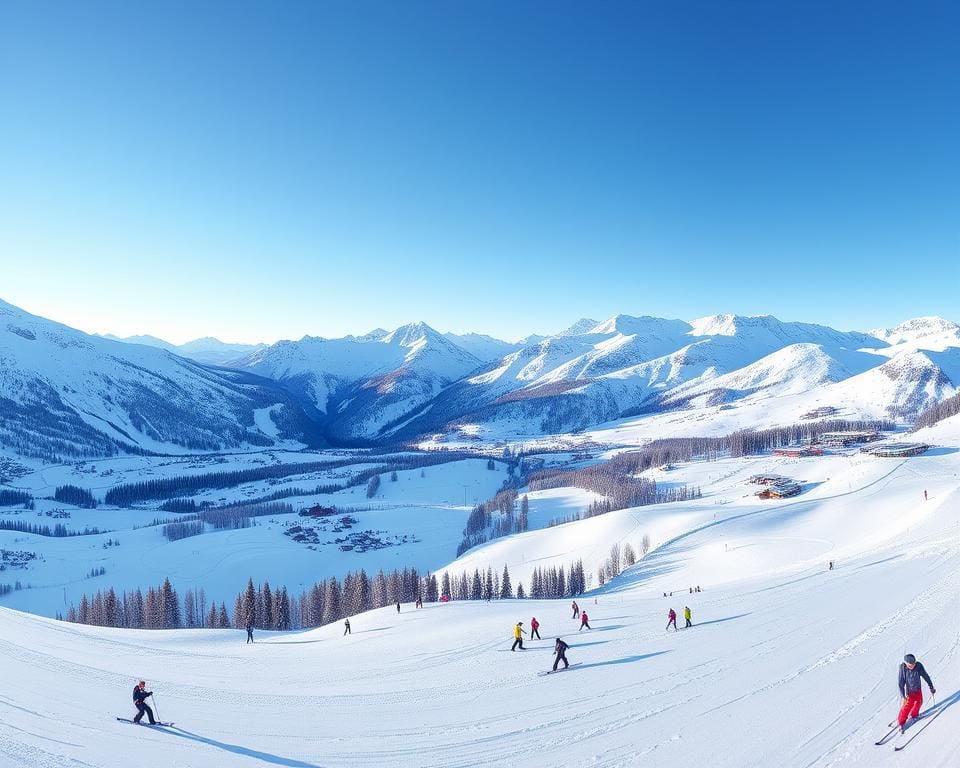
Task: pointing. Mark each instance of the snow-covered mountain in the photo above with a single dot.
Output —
(359, 385)
(627, 365)
(205, 350)
(402, 384)
(64, 392)
(216, 352)
(922, 332)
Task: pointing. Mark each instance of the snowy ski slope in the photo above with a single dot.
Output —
(788, 664)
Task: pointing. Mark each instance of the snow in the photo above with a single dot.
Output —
(788, 664)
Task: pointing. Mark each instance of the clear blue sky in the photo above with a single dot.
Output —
(263, 170)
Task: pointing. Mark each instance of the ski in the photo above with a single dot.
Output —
(149, 725)
(887, 735)
(917, 731)
(563, 669)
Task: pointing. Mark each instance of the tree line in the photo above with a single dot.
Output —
(58, 531)
(938, 412)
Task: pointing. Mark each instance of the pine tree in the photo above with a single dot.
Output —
(520, 593)
(223, 620)
(445, 586)
(476, 592)
(524, 522)
(488, 584)
(249, 606)
(506, 589)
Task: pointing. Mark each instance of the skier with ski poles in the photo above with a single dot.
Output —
(584, 621)
(140, 694)
(576, 610)
(672, 619)
(687, 615)
(346, 627)
(518, 633)
(911, 673)
(560, 649)
(534, 628)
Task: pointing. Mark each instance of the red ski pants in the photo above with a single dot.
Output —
(911, 707)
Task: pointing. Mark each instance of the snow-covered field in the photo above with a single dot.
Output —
(419, 517)
(788, 664)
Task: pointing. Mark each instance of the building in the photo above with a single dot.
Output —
(896, 450)
(780, 490)
(766, 479)
(843, 439)
(798, 451)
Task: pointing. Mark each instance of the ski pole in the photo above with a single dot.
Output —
(159, 719)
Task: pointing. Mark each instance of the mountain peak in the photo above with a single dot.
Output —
(582, 326)
(917, 329)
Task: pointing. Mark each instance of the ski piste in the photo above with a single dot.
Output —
(916, 731)
(149, 725)
(563, 669)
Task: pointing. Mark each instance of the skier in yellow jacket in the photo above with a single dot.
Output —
(687, 615)
(518, 633)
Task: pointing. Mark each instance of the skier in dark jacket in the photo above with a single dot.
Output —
(346, 627)
(249, 631)
(560, 648)
(911, 673)
(398, 606)
(140, 695)
(576, 610)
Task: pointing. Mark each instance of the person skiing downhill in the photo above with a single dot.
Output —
(249, 631)
(534, 628)
(576, 610)
(398, 606)
(584, 621)
(672, 619)
(560, 648)
(911, 673)
(140, 694)
(518, 633)
(687, 615)
(346, 627)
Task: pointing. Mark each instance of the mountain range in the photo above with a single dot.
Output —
(64, 392)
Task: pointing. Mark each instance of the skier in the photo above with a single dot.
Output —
(911, 672)
(139, 695)
(576, 610)
(687, 615)
(346, 627)
(924, 495)
(672, 619)
(534, 628)
(518, 633)
(398, 606)
(560, 648)
(584, 621)
(831, 565)
(249, 630)
(419, 603)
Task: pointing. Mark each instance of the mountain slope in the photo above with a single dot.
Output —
(361, 384)
(64, 392)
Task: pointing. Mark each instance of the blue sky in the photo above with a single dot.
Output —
(259, 171)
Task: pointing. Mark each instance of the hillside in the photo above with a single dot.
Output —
(774, 631)
(66, 393)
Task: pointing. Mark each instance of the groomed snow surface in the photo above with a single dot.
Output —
(788, 664)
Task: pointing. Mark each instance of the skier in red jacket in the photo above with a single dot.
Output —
(672, 619)
(584, 621)
(534, 626)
